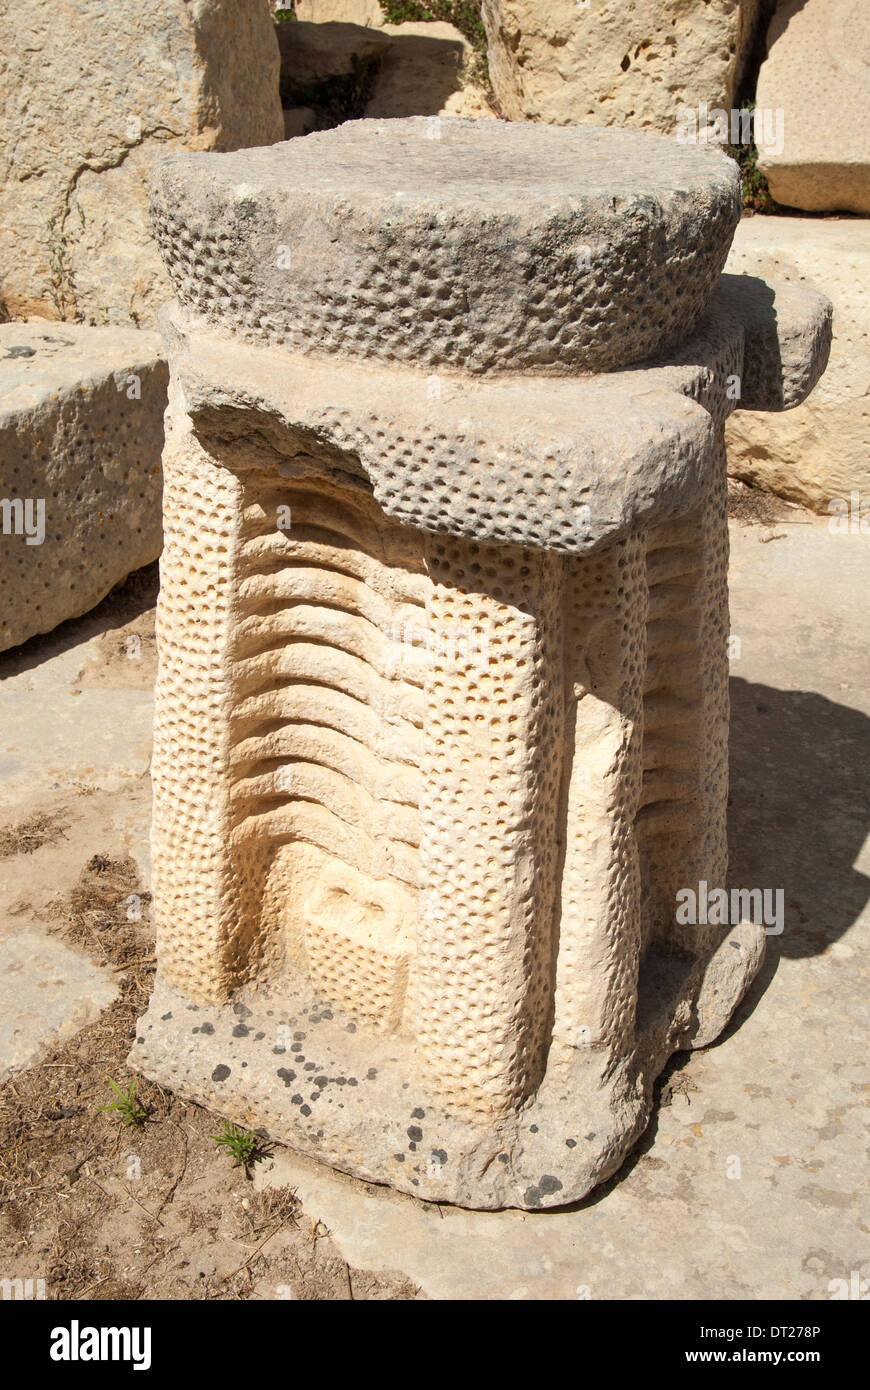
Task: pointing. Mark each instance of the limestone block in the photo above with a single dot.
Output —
(817, 73)
(442, 712)
(820, 450)
(81, 433)
(426, 72)
(603, 62)
(609, 224)
(91, 96)
(365, 12)
(48, 992)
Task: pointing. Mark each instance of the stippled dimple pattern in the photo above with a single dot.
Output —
(489, 818)
(611, 251)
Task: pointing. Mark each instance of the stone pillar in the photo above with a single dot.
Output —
(442, 711)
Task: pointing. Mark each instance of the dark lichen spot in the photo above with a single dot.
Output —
(286, 1076)
(296, 1100)
(220, 1073)
(207, 1028)
(241, 1030)
(258, 1037)
(414, 1132)
(164, 1018)
(440, 1155)
(571, 1143)
(549, 1184)
(532, 1197)
(533, 1129)
(371, 1073)
(306, 1110)
(503, 1158)
(418, 1114)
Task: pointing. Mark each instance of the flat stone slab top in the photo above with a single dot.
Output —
(493, 247)
(47, 993)
(81, 434)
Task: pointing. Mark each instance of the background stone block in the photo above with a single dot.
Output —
(91, 95)
(609, 63)
(817, 72)
(81, 434)
(821, 449)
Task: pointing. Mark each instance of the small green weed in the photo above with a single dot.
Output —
(130, 1112)
(244, 1147)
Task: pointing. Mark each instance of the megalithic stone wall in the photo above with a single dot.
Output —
(605, 62)
(442, 712)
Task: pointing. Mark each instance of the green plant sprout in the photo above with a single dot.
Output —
(243, 1146)
(130, 1112)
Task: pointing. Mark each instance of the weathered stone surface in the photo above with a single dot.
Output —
(817, 72)
(607, 63)
(788, 332)
(623, 450)
(366, 12)
(47, 993)
(92, 95)
(426, 72)
(821, 450)
(81, 433)
(612, 251)
(441, 718)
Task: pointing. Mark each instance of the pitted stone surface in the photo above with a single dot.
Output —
(496, 247)
(565, 464)
(442, 711)
(81, 431)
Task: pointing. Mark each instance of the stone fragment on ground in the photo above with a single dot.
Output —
(817, 75)
(47, 993)
(81, 435)
(98, 94)
(819, 451)
(608, 63)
